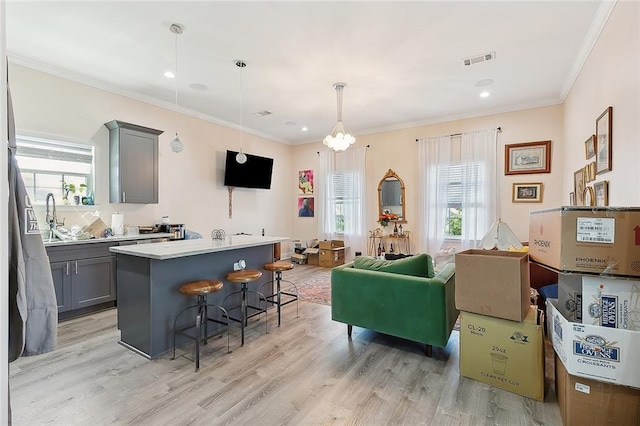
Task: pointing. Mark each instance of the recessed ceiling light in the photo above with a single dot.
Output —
(304, 129)
(169, 74)
(262, 113)
(484, 94)
(198, 86)
(290, 123)
(484, 83)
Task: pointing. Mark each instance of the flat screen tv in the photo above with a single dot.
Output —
(255, 173)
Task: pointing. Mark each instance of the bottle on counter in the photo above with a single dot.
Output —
(384, 254)
(391, 248)
(379, 249)
(400, 230)
(395, 228)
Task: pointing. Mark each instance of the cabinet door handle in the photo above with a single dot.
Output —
(124, 197)
(76, 268)
(67, 268)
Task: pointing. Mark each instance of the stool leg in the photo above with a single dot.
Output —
(278, 297)
(198, 324)
(205, 317)
(243, 308)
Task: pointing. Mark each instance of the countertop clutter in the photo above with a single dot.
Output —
(154, 236)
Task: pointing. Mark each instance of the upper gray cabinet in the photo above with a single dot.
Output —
(133, 163)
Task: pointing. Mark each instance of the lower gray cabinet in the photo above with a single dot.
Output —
(83, 275)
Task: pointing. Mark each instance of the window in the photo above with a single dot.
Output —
(339, 198)
(49, 166)
(452, 177)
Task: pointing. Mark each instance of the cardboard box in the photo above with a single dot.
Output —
(587, 239)
(331, 257)
(312, 256)
(330, 244)
(570, 296)
(506, 354)
(611, 302)
(599, 353)
(591, 402)
(493, 283)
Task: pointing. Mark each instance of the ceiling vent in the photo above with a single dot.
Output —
(262, 113)
(479, 58)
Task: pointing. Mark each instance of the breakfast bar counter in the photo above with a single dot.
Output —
(149, 275)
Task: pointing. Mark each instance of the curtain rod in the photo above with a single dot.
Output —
(460, 134)
(366, 146)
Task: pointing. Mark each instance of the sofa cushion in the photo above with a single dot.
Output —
(420, 265)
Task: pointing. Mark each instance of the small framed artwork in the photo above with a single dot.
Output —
(525, 158)
(604, 141)
(589, 172)
(572, 199)
(601, 193)
(590, 147)
(305, 207)
(305, 182)
(578, 186)
(589, 196)
(527, 192)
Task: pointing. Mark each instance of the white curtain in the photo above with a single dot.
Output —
(433, 154)
(324, 187)
(350, 164)
(479, 185)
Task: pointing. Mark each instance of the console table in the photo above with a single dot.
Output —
(401, 243)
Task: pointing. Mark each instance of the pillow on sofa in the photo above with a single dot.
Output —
(420, 265)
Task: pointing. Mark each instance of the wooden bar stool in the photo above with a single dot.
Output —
(278, 267)
(200, 288)
(243, 277)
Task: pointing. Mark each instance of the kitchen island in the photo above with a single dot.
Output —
(149, 275)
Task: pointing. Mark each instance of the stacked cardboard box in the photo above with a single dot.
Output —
(331, 253)
(501, 334)
(594, 324)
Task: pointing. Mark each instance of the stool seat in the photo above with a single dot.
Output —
(201, 289)
(244, 276)
(198, 288)
(278, 266)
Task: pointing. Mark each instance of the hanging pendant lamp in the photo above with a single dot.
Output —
(241, 157)
(176, 143)
(339, 139)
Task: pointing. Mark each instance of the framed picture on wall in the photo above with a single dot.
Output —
(578, 186)
(527, 192)
(529, 157)
(601, 193)
(604, 141)
(590, 147)
(305, 182)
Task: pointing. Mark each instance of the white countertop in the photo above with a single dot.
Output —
(114, 238)
(182, 248)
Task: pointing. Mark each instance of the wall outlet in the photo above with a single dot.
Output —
(239, 265)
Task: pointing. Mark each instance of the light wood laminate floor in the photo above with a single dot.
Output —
(306, 372)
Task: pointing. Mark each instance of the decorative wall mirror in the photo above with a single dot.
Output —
(391, 195)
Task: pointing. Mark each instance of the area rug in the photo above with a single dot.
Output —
(316, 289)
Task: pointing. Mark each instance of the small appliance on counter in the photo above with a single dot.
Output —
(177, 229)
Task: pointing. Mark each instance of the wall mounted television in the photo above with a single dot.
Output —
(255, 173)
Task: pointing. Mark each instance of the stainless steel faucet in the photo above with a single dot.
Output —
(50, 217)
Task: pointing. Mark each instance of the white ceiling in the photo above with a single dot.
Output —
(402, 61)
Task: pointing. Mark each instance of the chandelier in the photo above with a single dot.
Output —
(339, 139)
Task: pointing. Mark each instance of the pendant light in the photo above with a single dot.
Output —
(241, 157)
(339, 139)
(176, 143)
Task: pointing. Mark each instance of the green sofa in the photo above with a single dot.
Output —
(411, 307)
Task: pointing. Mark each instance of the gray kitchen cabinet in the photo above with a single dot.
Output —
(62, 284)
(84, 275)
(133, 163)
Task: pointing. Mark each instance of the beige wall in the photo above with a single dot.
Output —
(398, 150)
(609, 77)
(191, 189)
